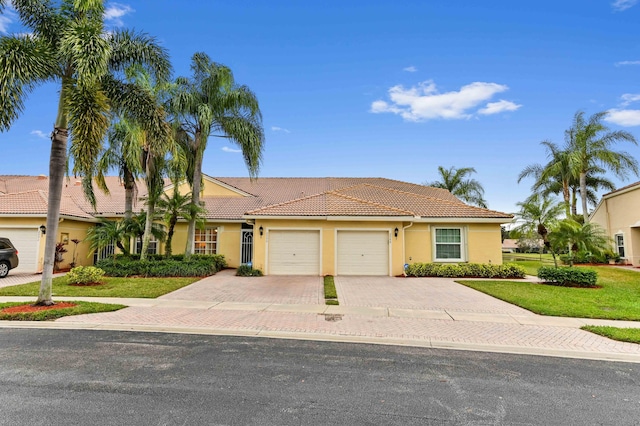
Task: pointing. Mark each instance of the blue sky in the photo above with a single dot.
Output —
(391, 89)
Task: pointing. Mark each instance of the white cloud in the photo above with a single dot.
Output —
(115, 12)
(621, 63)
(279, 129)
(7, 17)
(410, 69)
(423, 102)
(627, 98)
(227, 149)
(40, 134)
(498, 107)
(620, 5)
(623, 117)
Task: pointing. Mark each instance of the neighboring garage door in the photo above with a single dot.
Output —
(363, 253)
(294, 252)
(27, 241)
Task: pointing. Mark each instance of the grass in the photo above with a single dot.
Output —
(51, 314)
(330, 293)
(112, 287)
(529, 261)
(631, 335)
(618, 298)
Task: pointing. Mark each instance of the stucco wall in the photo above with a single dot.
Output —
(617, 215)
(228, 240)
(78, 231)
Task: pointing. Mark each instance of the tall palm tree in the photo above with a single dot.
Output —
(589, 145)
(457, 182)
(210, 103)
(67, 43)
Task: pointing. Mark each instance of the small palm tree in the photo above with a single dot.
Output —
(538, 213)
(107, 232)
(210, 103)
(457, 182)
(575, 236)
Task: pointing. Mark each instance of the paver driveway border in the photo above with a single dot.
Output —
(465, 325)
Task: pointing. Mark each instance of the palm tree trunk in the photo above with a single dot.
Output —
(147, 230)
(172, 225)
(129, 185)
(195, 197)
(574, 203)
(583, 195)
(567, 199)
(57, 163)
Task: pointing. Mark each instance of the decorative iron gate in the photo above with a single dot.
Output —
(246, 255)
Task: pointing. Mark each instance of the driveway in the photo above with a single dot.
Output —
(21, 278)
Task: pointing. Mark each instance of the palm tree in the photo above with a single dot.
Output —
(172, 208)
(589, 145)
(136, 227)
(67, 44)
(574, 236)
(107, 232)
(538, 213)
(211, 104)
(455, 181)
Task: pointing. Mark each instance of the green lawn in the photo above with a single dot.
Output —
(631, 335)
(51, 314)
(529, 261)
(619, 297)
(112, 287)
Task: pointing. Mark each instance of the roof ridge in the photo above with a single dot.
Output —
(284, 203)
(348, 197)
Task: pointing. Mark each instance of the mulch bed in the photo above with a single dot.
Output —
(31, 308)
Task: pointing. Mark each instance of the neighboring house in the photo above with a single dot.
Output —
(618, 213)
(509, 246)
(298, 226)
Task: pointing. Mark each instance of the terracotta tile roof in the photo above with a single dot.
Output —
(269, 197)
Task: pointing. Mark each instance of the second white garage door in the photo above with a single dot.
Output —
(294, 252)
(363, 253)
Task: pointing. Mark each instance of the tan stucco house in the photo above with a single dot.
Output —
(301, 226)
(618, 213)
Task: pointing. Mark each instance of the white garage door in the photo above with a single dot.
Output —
(294, 252)
(27, 241)
(363, 253)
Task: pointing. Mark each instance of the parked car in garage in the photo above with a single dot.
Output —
(8, 257)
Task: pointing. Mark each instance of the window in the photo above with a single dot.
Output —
(206, 241)
(620, 244)
(153, 245)
(449, 244)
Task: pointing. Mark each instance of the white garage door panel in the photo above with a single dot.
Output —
(294, 252)
(27, 241)
(363, 253)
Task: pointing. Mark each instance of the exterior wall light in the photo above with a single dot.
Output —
(43, 229)
(395, 232)
(261, 229)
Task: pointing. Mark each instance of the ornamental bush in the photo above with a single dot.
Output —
(248, 271)
(572, 277)
(197, 266)
(85, 275)
(465, 270)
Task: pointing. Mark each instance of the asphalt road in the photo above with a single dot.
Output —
(69, 377)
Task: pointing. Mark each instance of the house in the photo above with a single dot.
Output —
(509, 246)
(618, 213)
(298, 226)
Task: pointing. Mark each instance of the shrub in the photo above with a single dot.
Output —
(85, 275)
(197, 266)
(465, 270)
(574, 277)
(248, 271)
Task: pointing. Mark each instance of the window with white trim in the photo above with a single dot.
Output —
(619, 239)
(153, 245)
(448, 244)
(206, 241)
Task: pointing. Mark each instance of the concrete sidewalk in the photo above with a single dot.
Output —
(436, 313)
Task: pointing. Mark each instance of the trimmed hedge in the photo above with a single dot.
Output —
(570, 277)
(84, 275)
(465, 270)
(197, 266)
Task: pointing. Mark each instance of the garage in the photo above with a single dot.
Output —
(27, 241)
(363, 253)
(294, 252)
